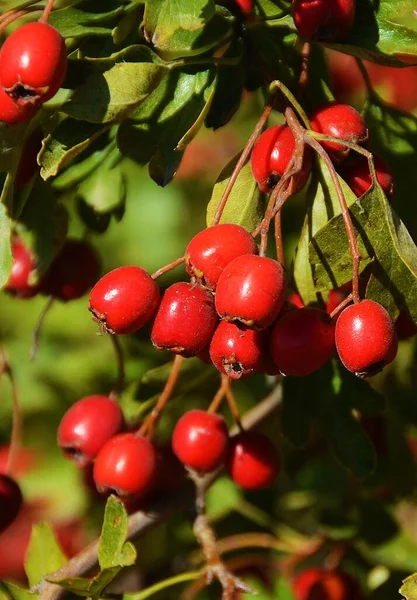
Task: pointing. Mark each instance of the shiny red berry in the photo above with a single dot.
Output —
(212, 249)
(325, 20)
(252, 461)
(86, 426)
(317, 583)
(251, 290)
(358, 176)
(236, 351)
(339, 121)
(11, 501)
(127, 465)
(302, 341)
(271, 156)
(200, 440)
(185, 320)
(124, 300)
(33, 63)
(366, 340)
(72, 272)
(12, 113)
(24, 264)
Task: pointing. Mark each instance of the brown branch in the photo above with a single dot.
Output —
(168, 267)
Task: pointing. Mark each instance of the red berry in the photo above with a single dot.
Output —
(33, 63)
(23, 266)
(72, 272)
(200, 440)
(302, 341)
(337, 296)
(296, 300)
(326, 20)
(10, 501)
(251, 290)
(246, 6)
(86, 426)
(28, 165)
(271, 156)
(365, 338)
(126, 465)
(124, 299)
(237, 351)
(252, 461)
(339, 121)
(212, 249)
(358, 176)
(321, 584)
(405, 326)
(12, 113)
(185, 320)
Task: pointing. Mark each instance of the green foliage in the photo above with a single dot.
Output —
(44, 554)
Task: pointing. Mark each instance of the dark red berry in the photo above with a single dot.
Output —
(185, 320)
(237, 351)
(24, 264)
(33, 63)
(251, 290)
(405, 326)
(336, 296)
(86, 426)
(12, 113)
(365, 338)
(171, 472)
(124, 299)
(302, 341)
(127, 465)
(325, 20)
(28, 165)
(339, 121)
(271, 156)
(317, 583)
(72, 272)
(10, 501)
(212, 249)
(358, 176)
(252, 461)
(200, 440)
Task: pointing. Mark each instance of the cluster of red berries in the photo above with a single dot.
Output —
(33, 65)
(325, 20)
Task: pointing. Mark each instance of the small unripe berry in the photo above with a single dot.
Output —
(23, 266)
(358, 176)
(10, 501)
(325, 20)
(236, 351)
(252, 461)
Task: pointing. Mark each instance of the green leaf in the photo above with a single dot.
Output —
(86, 19)
(10, 591)
(409, 587)
(5, 232)
(89, 588)
(223, 497)
(44, 554)
(104, 191)
(114, 551)
(245, 205)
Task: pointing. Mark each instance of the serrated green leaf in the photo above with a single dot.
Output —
(114, 551)
(409, 587)
(43, 555)
(86, 19)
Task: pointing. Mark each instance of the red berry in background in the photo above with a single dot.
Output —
(213, 248)
(124, 299)
(185, 320)
(317, 583)
(339, 121)
(252, 461)
(358, 176)
(237, 351)
(73, 271)
(127, 465)
(325, 20)
(405, 326)
(365, 338)
(86, 426)
(200, 440)
(251, 290)
(302, 341)
(296, 300)
(23, 266)
(271, 155)
(336, 296)
(10, 501)
(28, 165)
(246, 6)
(33, 63)
(12, 113)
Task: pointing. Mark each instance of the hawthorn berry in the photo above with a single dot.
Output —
(358, 176)
(317, 583)
(11, 501)
(365, 337)
(86, 426)
(252, 461)
(126, 465)
(185, 320)
(251, 290)
(213, 248)
(72, 272)
(302, 341)
(336, 296)
(200, 440)
(124, 299)
(340, 121)
(325, 20)
(237, 351)
(271, 155)
(24, 264)
(33, 63)
(12, 113)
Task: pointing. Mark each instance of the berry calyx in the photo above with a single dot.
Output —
(126, 465)
(86, 426)
(200, 440)
(11, 501)
(341, 121)
(33, 63)
(124, 299)
(365, 336)
(325, 20)
(24, 264)
(252, 461)
(12, 113)
(251, 290)
(236, 351)
(185, 320)
(322, 584)
(302, 341)
(213, 248)
(358, 176)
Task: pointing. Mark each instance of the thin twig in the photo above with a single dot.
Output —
(218, 398)
(279, 246)
(47, 11)
(231, 401)
(168, 267)
(12, 16)
(341, 306)
(38, 326)
(120, 361)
